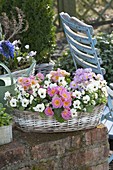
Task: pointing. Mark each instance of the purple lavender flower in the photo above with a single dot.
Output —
(7, 49)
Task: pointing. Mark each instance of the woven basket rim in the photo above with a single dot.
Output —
(27, 112)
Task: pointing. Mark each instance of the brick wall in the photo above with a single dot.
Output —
(82, 150)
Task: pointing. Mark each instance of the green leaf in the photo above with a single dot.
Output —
(58, 116)
(89, 108)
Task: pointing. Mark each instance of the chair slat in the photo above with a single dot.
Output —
(85, 64)
(79, 46)
(75, 24)
(83, 56)
(79, 38)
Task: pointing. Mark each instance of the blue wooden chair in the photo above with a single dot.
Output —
(84, 53)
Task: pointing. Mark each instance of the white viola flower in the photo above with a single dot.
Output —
(93, 86)
(27, 57)
(83, 92)
(13, 102)
(16, 42)
(42, 93)
(32, 53)
(93, 102)
(61, 79)
(84, 109)
(49, 76)
(104, 90)
(22, 91)
(7, 94)
(103, 83)
(19, 96)
(34, 93)
(53, 85)
(86, 99)
(27, 46)
(16, 48)
(19, 59)
(96, 95)
(46, 83)
(27, 94)
(31, 99)
(73, 113)
(39, 108)
(76, 104)
(25, 102)
(35, 86)
(76, 94)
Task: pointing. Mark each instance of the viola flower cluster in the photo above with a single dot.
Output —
(57, 95)
(13, 56)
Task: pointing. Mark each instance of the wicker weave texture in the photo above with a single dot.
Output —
(32, 122)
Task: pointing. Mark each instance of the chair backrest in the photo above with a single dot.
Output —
(82, 43)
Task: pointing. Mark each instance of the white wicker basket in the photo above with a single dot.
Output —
(32, 122)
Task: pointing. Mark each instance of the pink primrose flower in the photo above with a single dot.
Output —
(66, 103)
(65, 94)
(48, 111)
(40, 76)
(66, 114)
(52, 91)
(56, 102)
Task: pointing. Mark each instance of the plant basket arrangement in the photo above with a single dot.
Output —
(5, 126)
(58, 103)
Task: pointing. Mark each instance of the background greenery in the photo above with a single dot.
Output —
(41, 33)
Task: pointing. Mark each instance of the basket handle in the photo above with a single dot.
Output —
(30, 69)
(9, 72)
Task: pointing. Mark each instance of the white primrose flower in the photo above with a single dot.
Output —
(13, 102)
(86, 99)
(76, 104)
(39, 108)
(7, 94)
(73, 113)
(27, 47)
(103, 83)
(27, 94)
(42, 93)
(76, 94)
(25, 102)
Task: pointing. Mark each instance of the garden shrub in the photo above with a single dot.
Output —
(105, 46)
(41, 33)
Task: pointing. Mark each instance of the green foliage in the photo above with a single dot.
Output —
(5, 119)
(105, 45)
(41, 33)
(65, 62)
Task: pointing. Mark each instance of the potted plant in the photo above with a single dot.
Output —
(58, 102)
(5, 126)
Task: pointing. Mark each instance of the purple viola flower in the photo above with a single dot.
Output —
(7, 49)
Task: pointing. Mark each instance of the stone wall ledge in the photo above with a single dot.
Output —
(80, 150)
